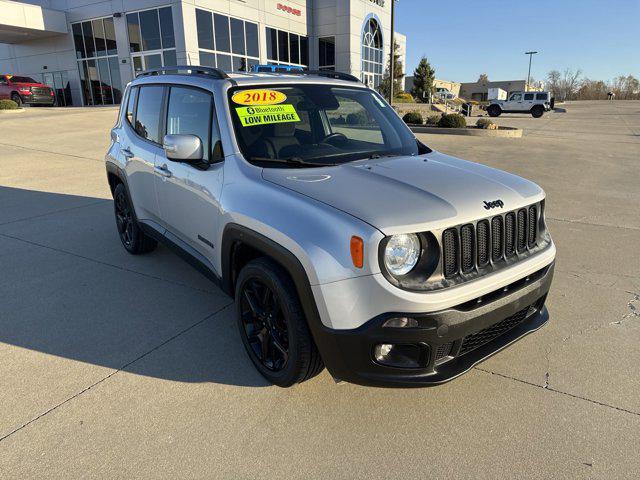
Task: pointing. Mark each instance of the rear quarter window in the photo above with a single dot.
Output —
(148, 110)
(131, 104)
(541, 96)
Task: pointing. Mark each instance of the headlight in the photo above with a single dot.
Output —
(402, 253)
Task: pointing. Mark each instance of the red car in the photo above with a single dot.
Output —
(25, 90)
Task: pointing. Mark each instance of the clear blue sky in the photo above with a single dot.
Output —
(466, 38)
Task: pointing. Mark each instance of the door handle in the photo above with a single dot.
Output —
(126, 152)
(163, 171)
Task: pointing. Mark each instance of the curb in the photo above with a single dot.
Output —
(504, 132)
(16, 110)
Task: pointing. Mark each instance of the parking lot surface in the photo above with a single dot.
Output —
(114, 366)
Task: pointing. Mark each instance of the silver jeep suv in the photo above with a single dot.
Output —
(345, 241)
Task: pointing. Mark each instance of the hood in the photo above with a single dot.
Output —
(30, 84)
(411, 194)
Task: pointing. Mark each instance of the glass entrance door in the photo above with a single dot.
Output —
(154, 59)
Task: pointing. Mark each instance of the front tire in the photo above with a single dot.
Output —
(537, 111)
(273, 326)
(17, 98)
(131, 235)
(494, 110)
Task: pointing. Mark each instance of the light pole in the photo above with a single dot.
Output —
(392, 54)
(531, 54)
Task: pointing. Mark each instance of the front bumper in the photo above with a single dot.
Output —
(454, 339)
(38, 99)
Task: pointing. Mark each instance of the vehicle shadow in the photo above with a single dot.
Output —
(68, 289)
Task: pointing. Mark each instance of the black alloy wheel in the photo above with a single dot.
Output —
(124, 219)
(265, 325)
(17, 98)
(273, 326)
(132, 237)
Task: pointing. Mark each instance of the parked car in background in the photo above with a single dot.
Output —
(26, 90)
(444, 94)
(535, 103)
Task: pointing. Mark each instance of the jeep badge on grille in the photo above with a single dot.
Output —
(494, 204)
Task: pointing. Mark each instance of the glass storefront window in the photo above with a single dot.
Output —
(151, 38)
(237, 36)
(372, 53)
(327, 53)
(110, 36)
(284, 48)
(133, 27)
(166, 27)
(204, 25)
(78, 40)
(221, 29)
(89, 45)
(251, 33)
(227, 43)
(98, 65)
(150, 30)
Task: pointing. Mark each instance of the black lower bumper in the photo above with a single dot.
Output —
(454, 340)
(38, 99)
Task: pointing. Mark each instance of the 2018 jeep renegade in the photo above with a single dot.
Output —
(344, 240)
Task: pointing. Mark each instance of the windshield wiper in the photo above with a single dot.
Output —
(297, 161)
(375, 156)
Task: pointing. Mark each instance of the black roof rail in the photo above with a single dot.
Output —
(193, 69)
(327, 73)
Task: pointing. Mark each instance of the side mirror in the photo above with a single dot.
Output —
(183, 148)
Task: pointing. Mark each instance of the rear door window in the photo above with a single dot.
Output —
(147, 123)
(528, 96)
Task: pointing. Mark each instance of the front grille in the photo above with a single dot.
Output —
(39, 90)
(483, 243)
(522, 230)
(466, 244)
(475, 340)
(470, 247)
(450, 251)
(509, 234)
(533, 225)
(443, 350)
(496, 238)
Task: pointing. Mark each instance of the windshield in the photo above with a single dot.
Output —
(22, 80)
(315, 125)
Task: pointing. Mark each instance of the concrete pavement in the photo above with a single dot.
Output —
(115, 366)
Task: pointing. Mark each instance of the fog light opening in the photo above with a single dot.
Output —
(401, 322)
(400, 355)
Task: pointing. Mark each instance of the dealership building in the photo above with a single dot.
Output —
(88, 50)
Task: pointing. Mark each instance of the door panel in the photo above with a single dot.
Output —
(140, 149)
(189, 195)
(189, 203)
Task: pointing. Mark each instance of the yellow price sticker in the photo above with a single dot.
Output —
(250, 116)
(258, 97)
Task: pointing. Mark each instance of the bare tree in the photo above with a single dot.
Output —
(568, 86)
(564, 86)
(483, 78)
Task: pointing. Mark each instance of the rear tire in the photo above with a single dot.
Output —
(494, 110)
(273, 326)
(537, 111)
(134, 240)
(17, 98)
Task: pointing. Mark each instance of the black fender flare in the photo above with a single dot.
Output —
(234, 234)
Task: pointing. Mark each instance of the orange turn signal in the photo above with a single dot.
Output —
(357, 251)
